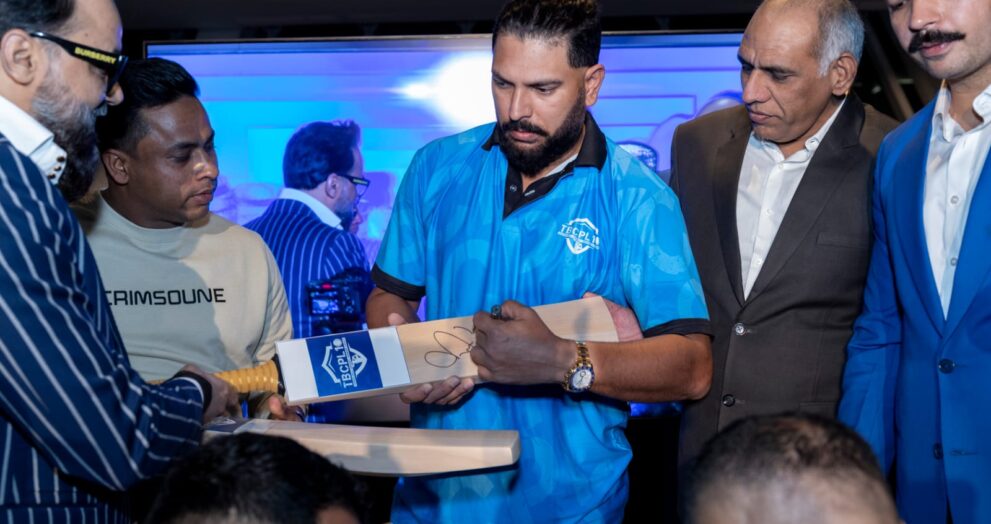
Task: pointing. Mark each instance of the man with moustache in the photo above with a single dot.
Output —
(914, 384)
(185, 285)
(776, 195)
(540, 208)
(78, 425)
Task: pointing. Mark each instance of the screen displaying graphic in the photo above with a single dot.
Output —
(405, 92)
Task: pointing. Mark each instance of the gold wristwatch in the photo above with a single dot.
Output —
(580, 377)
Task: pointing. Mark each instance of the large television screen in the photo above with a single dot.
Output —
(405, 92)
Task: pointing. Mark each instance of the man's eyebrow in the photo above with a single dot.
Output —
(183, 146)
(545, 84)
(774, 70)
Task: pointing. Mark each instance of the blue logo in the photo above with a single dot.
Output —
(344, 363)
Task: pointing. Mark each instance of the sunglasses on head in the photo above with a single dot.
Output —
(110, 63)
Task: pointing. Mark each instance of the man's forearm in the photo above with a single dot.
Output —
(656, 369)
(381, 303)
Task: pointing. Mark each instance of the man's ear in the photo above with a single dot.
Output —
(332, 186)
(21, 57)
(593, 81)
(842, 73)
(116, 163)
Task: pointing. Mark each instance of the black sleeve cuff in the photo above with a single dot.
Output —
(391, 284)
(204, 386)
(681, 326)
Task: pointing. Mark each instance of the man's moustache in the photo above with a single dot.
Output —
(932, 37)
(522, 125)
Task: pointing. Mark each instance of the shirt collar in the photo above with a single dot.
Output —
(323, 212)
(811, 144)
(32, 139)
(943, 124)
(593, 149)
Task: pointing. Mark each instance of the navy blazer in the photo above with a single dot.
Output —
(77, 424)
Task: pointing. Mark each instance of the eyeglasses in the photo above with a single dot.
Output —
(111, 63)
(360, 184)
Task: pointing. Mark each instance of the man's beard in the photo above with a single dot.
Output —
(531, 162)
(74, 127)
(346, 214)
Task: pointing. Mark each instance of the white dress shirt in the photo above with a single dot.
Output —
(954, 165)
(323, 212)
(768, 182)
(32, 139)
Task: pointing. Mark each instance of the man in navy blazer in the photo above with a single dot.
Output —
(914, 383)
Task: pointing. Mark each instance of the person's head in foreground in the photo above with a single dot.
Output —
(257, 479)
(787, 469)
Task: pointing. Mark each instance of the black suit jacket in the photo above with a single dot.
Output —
(783, 347)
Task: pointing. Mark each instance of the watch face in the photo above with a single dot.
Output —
(582, 379)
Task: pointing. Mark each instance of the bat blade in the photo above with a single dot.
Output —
(393, 451)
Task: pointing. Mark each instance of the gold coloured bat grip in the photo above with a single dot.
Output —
(262, 378)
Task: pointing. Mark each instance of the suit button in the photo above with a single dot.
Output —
(938, 451)
(729, 400)
(946, 365)
(739, 329)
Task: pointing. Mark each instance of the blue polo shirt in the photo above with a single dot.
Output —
(463, 236)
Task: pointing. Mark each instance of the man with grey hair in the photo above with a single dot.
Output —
(775, 194)
(784, 469)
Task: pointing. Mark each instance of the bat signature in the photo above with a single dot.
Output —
(453, 345)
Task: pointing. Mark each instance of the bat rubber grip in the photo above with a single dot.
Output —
(262, 378)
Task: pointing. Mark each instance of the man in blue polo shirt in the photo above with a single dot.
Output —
(541, 208)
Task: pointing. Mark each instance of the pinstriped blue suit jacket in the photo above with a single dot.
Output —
(305, 249)
(77, 424)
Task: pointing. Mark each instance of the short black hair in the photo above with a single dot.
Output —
(754, 452)
(256, 478)
(147, 84)
(36, 15)
(577, 22)
(317, 150)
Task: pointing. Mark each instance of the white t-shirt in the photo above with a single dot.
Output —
(208, 293)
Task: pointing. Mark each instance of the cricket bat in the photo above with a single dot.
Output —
(390, 451)
(392, 359)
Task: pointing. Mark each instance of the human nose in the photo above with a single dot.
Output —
(924, 14)
(519, 105)
(754, 88)
(208, 167)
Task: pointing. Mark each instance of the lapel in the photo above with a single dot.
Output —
(974, 259)
(835, 157)
(909, 192)
(726, 178)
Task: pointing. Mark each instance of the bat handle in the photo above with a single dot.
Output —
(262, 378)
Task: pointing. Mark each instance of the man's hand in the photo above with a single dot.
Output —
(627, 325)
(444, 392)
(224, 399)
(278, 409)
(518, 348)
